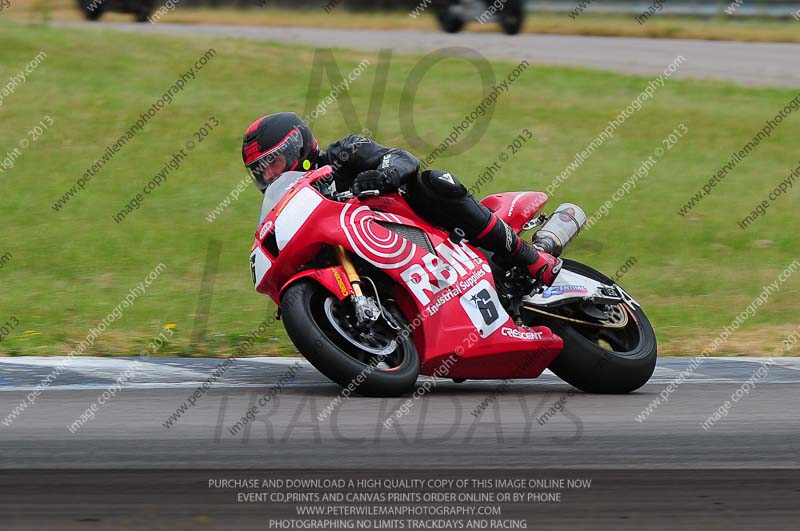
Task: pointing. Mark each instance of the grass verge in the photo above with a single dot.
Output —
(67, 270)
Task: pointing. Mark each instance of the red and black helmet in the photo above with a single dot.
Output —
(277, 143)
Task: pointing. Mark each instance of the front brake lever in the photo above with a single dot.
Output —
(346, 196)
(343, 196)
(368, 193)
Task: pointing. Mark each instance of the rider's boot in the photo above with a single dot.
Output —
(498, 237)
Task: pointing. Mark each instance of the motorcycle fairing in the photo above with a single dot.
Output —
(333, 278)
(515, 208)
(447, 292)
(570, 286)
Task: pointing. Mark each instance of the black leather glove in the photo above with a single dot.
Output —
(374, 180)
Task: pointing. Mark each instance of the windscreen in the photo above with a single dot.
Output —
(276, 190)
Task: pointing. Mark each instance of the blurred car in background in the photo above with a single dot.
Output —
(454, 14)
(94, 9)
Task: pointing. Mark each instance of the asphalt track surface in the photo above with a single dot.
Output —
(757, 64)
(762, 429)
(666, 472)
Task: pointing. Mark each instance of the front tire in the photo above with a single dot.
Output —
(586, 362)
(320, 336)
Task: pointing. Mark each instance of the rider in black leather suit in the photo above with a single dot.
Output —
(282, 142)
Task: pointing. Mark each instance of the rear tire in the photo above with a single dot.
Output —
(309, 328)
(594, 369)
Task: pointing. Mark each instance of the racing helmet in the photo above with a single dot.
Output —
(278, 143)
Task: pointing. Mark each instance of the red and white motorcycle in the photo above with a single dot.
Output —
(373, 295)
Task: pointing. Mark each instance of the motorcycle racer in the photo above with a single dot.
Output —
(281, 142)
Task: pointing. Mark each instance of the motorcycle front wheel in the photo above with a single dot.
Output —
(602, 359)
(378, 361)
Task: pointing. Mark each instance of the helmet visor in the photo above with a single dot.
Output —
(280, 158)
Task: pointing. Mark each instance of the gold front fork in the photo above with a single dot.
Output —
(349, 269)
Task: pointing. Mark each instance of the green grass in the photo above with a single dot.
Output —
(69, 269)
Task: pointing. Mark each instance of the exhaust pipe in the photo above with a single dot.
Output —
(561, 228)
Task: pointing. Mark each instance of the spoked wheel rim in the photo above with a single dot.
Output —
(622, 341)
(378, 346)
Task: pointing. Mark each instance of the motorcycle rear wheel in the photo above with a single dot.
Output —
(318, 326)
(589, 364)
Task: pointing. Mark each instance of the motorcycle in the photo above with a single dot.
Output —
(373, 295)
(93, 9)
(452, 15)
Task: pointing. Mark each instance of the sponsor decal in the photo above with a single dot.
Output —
(447, 178)
(517, 334)
(340, 282)
(433, 279)
(264, 230)
(372, 242)
(453, 268)
(289, 196)
(555, 291)
(259, 266)
(483, 308)
(509, 236)
(514, 203)
(455, 291)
